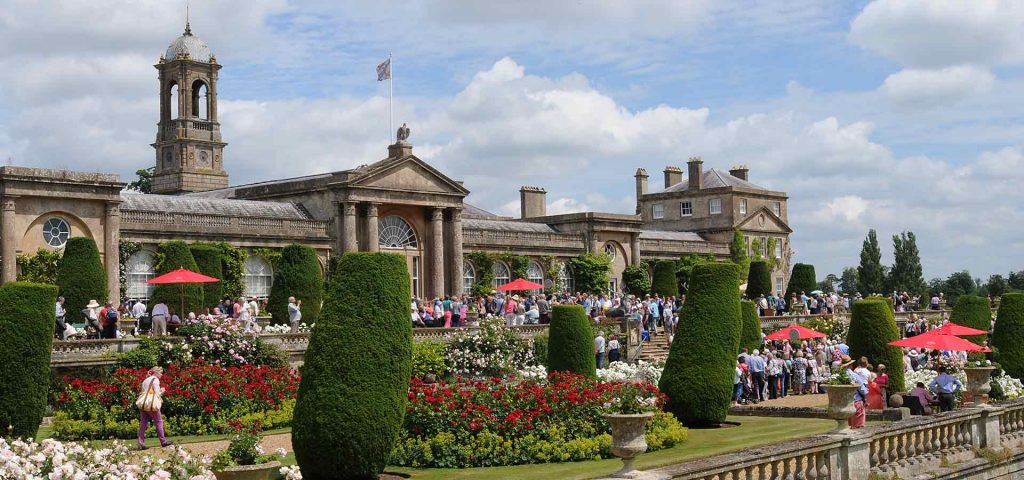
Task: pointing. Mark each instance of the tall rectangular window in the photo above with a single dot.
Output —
(778, 248)
(764, 247)
(778, 285)
(715, 206)
(685, 209)
(777, 209)
(416, 276)
(743, 206)
(658, 210)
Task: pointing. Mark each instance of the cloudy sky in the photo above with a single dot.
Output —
(889, 114)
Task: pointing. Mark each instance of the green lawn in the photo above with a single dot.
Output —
(753, 431)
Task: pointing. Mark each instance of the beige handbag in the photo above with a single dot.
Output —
(149, 400)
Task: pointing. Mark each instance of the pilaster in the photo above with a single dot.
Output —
(455, 238)
(348, 227)
(437, 252)
(634, 249)
(372, 244)
(111, 250)
(8, 241)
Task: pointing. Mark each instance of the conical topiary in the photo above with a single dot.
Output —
(759, 280)
(27, 329)
(872, 327)
(1008, 334)
(352, 396)
(802, 280)
(175, 255)
(298, 275)
(664, 281)
(698, 376)
(210, 261)
(81, 276)
(571, 341)
(750, 337)
(972, 311)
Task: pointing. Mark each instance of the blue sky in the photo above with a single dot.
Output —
(887, 114)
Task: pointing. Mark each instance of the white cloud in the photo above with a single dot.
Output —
(929, 88)
(848, 208)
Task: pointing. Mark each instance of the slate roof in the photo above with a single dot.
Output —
(506, 225)
(714, 179)
(211, 206)
(664, 235)
(473, 211)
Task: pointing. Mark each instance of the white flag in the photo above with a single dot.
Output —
(384, 71)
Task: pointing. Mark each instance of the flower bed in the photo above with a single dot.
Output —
(55, 460)
(493, 350)
(488, 423)
(200, 399)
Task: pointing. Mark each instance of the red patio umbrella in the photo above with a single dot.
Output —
(938, 341)
(802, 333)
(182, 276)
(958, 330)
(520, 284)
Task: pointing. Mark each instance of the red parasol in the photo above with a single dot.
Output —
(938, 341)
(958, 330)
(520, 284)
(182, 276)
(802, 333)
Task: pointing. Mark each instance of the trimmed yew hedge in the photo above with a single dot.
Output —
(175, 255)
(210, 261)
(571, 341)
(698, 376)
(27, 329)
(355, 380)
(759, 280)
(750, 336)
(1008, 335)
(872, 327)
(297, 274)
(972, 311)
(81, 276)
(802, 280)
(665, 283)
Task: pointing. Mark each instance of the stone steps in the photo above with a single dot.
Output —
(656, 350)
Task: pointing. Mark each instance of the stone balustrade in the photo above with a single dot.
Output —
(775, 323)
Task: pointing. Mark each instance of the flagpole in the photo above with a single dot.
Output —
(391, 97)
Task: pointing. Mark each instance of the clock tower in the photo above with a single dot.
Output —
(189, 150)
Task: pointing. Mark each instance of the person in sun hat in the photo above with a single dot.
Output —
(859, 398)
(91, 312)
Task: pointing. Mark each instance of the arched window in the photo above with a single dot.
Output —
(200, 100)
(56, 232)
(610, 250)
(468, 277)
(140, 269)
(535, 274)
(395, 232)
(565, 281)
(258, 277)
(501, 274)
(173, 110)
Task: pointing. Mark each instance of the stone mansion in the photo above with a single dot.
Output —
(399, 204)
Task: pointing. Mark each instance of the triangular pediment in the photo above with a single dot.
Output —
(764, 220)
(407, 174)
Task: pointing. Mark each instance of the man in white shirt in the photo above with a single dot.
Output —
(294, 313)
(139, 309)
(599, 349)
(160, 315)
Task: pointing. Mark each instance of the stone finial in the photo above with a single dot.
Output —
(213, 59)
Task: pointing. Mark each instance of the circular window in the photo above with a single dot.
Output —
(56, 232)
(609, 249)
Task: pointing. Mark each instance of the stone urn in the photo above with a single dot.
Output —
(262, 471)
(628, 432)
(840, 404)
(978, 386)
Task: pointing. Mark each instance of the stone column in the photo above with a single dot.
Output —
(634, 250)
(437, 252)
(348, 227)
(112, 249)
(455, 227)
(8, 242)
(372, 245)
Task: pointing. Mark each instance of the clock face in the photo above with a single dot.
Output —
(204, 159)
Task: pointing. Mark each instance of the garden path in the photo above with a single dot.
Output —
(819, 400)
(270, 443)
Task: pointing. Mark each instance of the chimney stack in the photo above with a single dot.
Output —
(739, 171)
(673, 175)
(695, 169)
(641, 187)
(532, 202)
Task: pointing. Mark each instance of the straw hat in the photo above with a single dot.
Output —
(846, 361)
(92, 304)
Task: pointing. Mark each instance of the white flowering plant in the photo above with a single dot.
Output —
(283, 328)
(495, 350)
(54, 460)
(291, 473)
(624, 372)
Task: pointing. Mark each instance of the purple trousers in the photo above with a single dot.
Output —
(144, 419)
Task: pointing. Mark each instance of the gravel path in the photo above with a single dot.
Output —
(818, 400)
(270, 443)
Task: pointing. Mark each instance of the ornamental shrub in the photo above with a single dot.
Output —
(428, 358)
(175, 255)
(802, 280)
(972, 311)
(210, 261)
(352, 397)
(27, 329)
(571, 341)
(701, 363)
(750, 336)
(1008, 335)
(590, 272)
(635, 280)
(81, 276)
(759, 280)
(872, 327)
(540, 349)
(664, 282)
(297, 274)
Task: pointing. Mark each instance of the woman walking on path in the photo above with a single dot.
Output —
(149, 404)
